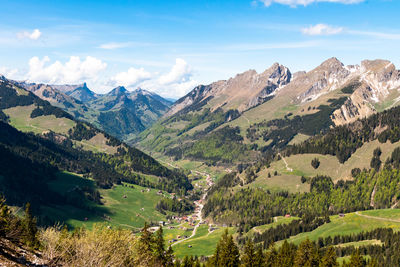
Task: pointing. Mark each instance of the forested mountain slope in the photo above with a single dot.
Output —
(62, 143)
(120, 112)
(238, 120)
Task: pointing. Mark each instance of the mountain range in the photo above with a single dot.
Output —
(272, 156)
(120, 112)
(256, 107)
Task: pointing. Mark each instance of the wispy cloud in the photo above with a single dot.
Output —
(34, 35)
(321, 29)
(377, 35)
(113, 45)
(270, 46)
(295, 3)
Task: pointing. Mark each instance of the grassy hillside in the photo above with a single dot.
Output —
(289, 175)
(20, 118)
(353, 223)
(123, 205)
(202, 244)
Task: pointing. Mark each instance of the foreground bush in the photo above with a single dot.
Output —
(100, 246)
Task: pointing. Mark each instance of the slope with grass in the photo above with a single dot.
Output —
(202, 244)
(353, 223)
(126, 205)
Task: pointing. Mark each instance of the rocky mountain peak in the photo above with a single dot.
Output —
(117, 91)
(332, 63)
(82, 93)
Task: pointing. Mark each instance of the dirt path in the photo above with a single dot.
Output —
(287, 165)
(372, 203)
(377, 218)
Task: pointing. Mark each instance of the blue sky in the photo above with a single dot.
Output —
(171, 46)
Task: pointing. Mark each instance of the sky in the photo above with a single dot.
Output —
(169, 47)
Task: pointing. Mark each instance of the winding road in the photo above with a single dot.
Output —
(197, 225)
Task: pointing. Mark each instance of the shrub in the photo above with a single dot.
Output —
(315, 163)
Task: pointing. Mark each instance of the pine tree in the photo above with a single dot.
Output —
(226, 252)
(356, 260)
(4, 217)
(231, 257)
(145, 248)
(159, 249)
(373, 263)
(169, 257)
(259, 260)
(29, 228)
(285, 257)
(187, 261)
(307, 254)
(271, 256)
(249, 256)
(329, 259)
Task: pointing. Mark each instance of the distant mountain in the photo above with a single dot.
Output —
(172, 100)
(242, 92)
(120, 112)
(125, 114)
(265, 111)
(82, 93)
(57, 141)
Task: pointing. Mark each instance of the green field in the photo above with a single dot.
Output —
(20, 119)
(361, 243)
(352, 223)
(122, 206)
(203, 243)
(300, 165)
(282, 181)
(277, 221)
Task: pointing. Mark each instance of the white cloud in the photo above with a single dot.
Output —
(73, 71)
(180, 73)
(294, 3)
(321, 29)
(132, 77)
(34, 35)
(113, 45)
(175, 90)
(8, 72)
(174, 83)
